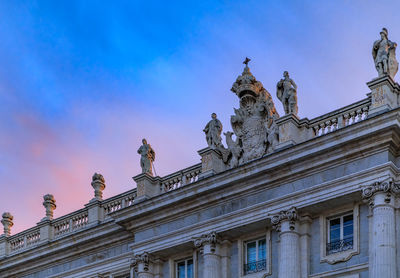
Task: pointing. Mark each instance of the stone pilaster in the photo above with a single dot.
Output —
(384, 95)
(286, 222)
(381, 196)
(211, 162)
(142, 264)
(147, 186)
(210, 248)
(305, 238)
(226, 258)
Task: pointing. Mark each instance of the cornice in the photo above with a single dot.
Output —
(354, 141)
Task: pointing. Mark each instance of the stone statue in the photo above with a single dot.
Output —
(384, 54)
(147, 157)
(286, 91)
(234, 148)
(213, 131)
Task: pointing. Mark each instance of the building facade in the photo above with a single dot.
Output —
(288, 198)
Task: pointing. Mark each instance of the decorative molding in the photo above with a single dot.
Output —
(344, 255)
(144, 258)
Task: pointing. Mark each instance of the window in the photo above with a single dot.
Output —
(340, 233)
(255, 256)
(184, 268)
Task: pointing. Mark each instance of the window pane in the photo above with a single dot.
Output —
(334, 229)
(181, 270)
(251, 252)
(190, 269)
(261, 249)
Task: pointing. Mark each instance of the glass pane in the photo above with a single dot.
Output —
(334, 229)
(181, 270)
(261, 250)
(348, 231)
(251, 252)
(189, 269)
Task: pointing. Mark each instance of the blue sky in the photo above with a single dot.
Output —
(82, 82)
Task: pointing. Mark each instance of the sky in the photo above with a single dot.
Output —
(82, 82)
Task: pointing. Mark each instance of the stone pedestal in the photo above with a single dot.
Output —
(147, 186)
(3, 246)
(211, 162)
(291, 131)
(210, 248)
(46, 230)
(383, 235)
(289, 257)
(95, 212)
(384, 95)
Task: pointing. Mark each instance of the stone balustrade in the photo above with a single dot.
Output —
(340, 118)
(180, 178)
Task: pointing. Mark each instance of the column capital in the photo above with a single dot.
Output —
(290, 216)
(142, 262)
(387, 187)
(210, 239)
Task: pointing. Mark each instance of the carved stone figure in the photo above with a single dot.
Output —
(286, 91)
(252, 120)
(147, 157)
(234, 148)
(384, 54)
(213, 131)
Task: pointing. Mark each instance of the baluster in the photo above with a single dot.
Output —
(316, 130)
(359, 115)
(365, 112)
(322, 127)
(70, 225)
(123, 202)
(353, 117)
(328, 125)
(346, 119)
(334, 124)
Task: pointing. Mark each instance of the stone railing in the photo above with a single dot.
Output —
(24, 239)
(180, 178)
(119, 202)
(340, 118)
(70, 223)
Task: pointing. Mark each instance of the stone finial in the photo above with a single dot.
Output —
(7, 222)
(98, 184)
(50, 205)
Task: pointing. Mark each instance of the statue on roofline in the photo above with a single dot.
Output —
(147, 157)
(286, 91)
(384, 54)
(213, 131)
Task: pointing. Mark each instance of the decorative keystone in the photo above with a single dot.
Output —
(50, 205)
(98, 184)
(7, 222)
(288, 215)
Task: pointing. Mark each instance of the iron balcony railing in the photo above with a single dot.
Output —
(339, 245)
(254, 267)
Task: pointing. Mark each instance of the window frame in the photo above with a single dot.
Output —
(174, 260)
(186, 265)
(242, 253)
(345, 255)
